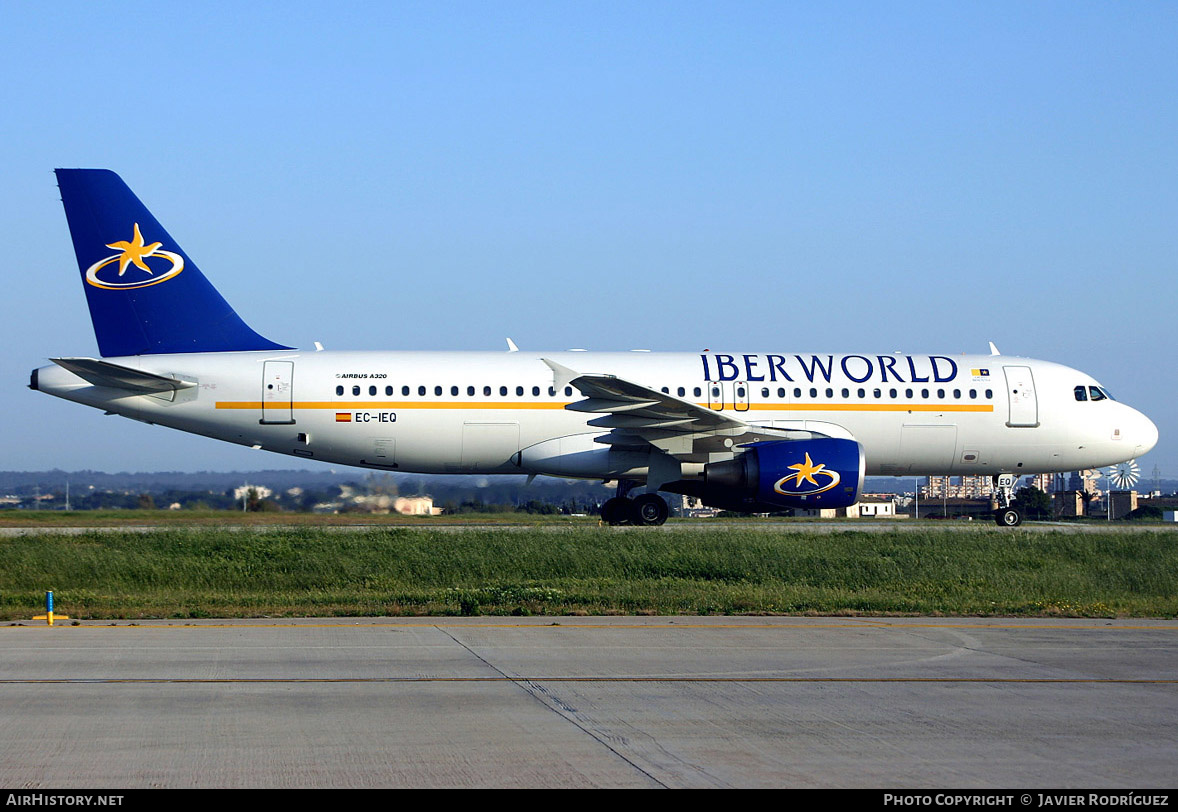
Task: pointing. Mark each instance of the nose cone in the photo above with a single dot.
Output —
(1144, 434)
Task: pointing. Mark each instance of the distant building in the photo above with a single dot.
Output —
(416, 506)
(957, 487)
(872, 507)
(868, 507)
(1044, 482)
(954, 507)
(1068, 504)
(1123, 502)
(1086, 481)
(243, 492)
(691, 507)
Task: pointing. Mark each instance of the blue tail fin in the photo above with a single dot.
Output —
(145, 295)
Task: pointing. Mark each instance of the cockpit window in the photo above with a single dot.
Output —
(1092, 393)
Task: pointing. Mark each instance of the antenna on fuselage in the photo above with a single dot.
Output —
(993, 349)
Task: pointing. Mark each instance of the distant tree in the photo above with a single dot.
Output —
(536, 506)
(146, 502)
(1034, 503)
(1146, 513)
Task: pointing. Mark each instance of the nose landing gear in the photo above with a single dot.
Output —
(1006, 515)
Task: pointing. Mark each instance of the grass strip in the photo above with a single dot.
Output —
(197, 572)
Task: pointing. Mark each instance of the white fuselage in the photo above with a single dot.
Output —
(480, 412)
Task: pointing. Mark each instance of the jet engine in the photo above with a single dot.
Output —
(823, 472)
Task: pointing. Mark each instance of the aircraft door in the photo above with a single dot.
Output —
(1020, 391)
(716, 396)
(278, 392)
(740, 396)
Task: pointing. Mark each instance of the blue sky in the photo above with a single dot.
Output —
(923, 177)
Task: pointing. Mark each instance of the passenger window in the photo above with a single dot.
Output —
(1081, 393)
(437, 390)
(989, 394)
(941, 394)
(421, 391)
(1096, 393)
(453, 391)
(908, 393)
(568, 391)
(388, 391)
(503, 391)
(470, 391)
(697, 392)
(877, 393)
(781, 392)
(862, 393)
(765, 392)
(665, 391)
(551, 391)
(339, 390)
(957, 394)
(535, 391)
(404, 390)
(892, 393)
(846, 393)
(486, 391)
(371, 391)
(739, 391)
(355, 391)
(681, 392)
(519, 391)
(829, 392)
(797, 392)
(924, 393)
(973, 394)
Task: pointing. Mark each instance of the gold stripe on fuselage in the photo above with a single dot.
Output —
(443, 404)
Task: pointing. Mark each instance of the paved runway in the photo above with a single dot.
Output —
(591, 702)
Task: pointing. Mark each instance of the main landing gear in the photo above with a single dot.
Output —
(1006, 515)
(647, 509)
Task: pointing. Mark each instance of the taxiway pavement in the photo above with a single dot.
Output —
(591, 702)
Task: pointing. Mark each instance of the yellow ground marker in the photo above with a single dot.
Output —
(49, 616)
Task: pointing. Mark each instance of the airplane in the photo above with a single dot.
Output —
(746, 431)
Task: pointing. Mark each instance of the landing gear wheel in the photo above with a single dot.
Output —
(616, 510)
(1008, 517)
(649, 509)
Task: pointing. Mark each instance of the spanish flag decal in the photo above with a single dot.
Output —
(343, 417)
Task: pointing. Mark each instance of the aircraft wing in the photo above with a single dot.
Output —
(637, 416)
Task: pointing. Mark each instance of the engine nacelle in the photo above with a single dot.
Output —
(820, 473)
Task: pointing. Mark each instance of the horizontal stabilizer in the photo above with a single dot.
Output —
(104, 373)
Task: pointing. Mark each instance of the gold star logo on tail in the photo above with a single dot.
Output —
(134, 252)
